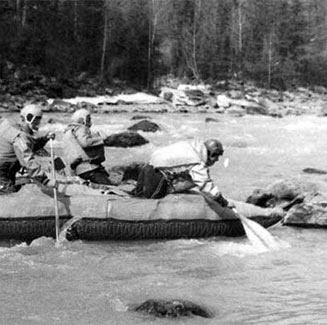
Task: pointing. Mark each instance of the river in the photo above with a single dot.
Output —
(100, 282)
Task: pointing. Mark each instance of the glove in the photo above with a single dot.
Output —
(222, 201)
(231, 205)
(51, 183)
(51, 135)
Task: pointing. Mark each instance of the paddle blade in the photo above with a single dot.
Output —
(257, 235)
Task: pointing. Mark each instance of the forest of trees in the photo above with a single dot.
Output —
(276, 43)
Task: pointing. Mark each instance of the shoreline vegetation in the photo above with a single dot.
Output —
(235, 57)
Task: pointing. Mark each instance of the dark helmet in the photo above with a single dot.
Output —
(215, 149)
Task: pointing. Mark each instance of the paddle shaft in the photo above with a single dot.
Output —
(55, 200)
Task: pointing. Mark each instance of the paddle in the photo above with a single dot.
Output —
(55, 200)
(258, 235)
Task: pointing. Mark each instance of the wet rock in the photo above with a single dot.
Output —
(172, 308)
(270, 107)
(125, 139)
(168, 95)
(256, 109)
(314, 171)
(54, 120)
(210, 119)
(140, 117)
(145, 126)
(235, 94)
(239, 144)
(307, 215)
(261, 198)
(88, 106)
(59, 105)
(236, 111)
(282, 192)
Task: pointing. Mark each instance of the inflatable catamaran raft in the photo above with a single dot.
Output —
(29, 214)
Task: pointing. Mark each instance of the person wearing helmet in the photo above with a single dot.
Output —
(18, 144)
(179, 167)
(85, 149)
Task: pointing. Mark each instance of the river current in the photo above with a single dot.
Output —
(100, 282)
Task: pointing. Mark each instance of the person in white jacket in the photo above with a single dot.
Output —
(180, 167)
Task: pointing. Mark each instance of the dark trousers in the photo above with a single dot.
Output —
(151, 183)
(98, 176)
(8, 172)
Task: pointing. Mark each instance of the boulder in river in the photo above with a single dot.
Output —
(125, 139)
(59, 105)
(140, 117)
(307, 215)
(310, 170)
(172, 308)
(282, 192)
(210, 119)
(145, 126)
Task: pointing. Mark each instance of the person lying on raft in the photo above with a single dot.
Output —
(84, 151)
(179, 167)
(184, 165)
(18, 144)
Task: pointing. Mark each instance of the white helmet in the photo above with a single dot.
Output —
(80, 116)
(32, 115)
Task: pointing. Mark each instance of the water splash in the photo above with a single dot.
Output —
(258, 236)
(66, 227)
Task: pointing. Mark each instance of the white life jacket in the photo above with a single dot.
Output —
(179, 154)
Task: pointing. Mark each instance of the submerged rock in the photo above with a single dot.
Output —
(173, 308)
(145, 126)
(125, 139)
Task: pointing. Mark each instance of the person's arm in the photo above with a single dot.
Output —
(23, 150)
(40, 142)
(86, 139)
(201, 177)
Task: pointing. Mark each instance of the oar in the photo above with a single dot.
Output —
(255, 232)
(55, 200)
(258, 235)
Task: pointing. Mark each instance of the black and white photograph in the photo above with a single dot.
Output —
(163, 162)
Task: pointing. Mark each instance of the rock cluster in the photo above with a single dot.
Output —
(306, 205)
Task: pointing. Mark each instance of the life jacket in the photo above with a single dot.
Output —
(179, 154)
(72, 150)
(9, 164)
(80, 159)
(8, 133)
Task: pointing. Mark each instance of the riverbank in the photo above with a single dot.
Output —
(233, 99)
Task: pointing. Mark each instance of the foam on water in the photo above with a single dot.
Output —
(94, 282)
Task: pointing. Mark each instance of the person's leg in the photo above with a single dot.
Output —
(151, 183)
(8, 188)
(98, 176)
